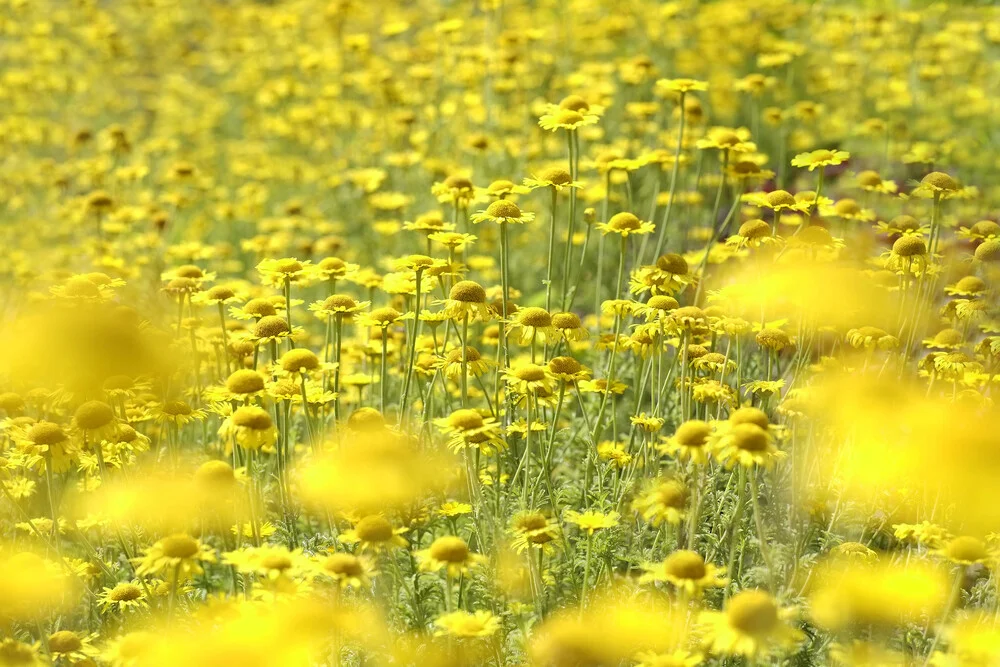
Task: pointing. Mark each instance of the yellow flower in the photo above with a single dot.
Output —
(455, 189)
(820, 158)
(175, 557)
(937, 184)
(333, 268)
(965, 550)
(678, 658)
(531, 323)
(647, 423)
(270, 562)
(534, 530)
(451, 554)
(568, 370)
(662, 501)
(251, 428)
(681, 85)
(973, 641)
(744, 443)
(557, 179)
(374, 533)
(429, 223)
(453, 241)
(466, 624)
(728, 139)
(848, 594)
(124, 596)
(469, 428)
(925, 534)
(528, 379)
(18, 654)
(688, 443)
(600, 386)
(338, 305)
(453, 509)
(591, 521)
(625, 224)
(569, 327)
(686, 570)
(32, 587)
(277, 272)
(66, 645)
(477, 365)
(467, 298)
(501, 212)
(565, 119)
(348, 570)
(383, 318)
(752, 625)
(614, 452)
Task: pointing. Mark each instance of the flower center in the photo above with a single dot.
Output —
(179, 546)
(685, 564)
(374, 529)
(450, 549)
(753, 612)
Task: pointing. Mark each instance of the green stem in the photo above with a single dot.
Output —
(465, 360)
(552, 248)
(383, 379)
(411, 357)
(586, 571)
(673, 187)
(571, 139)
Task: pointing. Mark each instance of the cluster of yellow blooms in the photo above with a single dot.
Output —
(447, 334)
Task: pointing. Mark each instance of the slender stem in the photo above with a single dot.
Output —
(383, 379)
(673, 187)
(411, 357)
(225, 334)
(586, 571)
(505, 289)
(552, 248)
(734, 526)
(758, 520)
(598, 283)
(571, 220)
(465, 360)
(527, 450)
(337, 334)
(956, 594)
(288, 309)
(305, 412)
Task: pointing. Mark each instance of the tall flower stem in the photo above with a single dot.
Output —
(662, 237)
(288, 309)
(504, 348)
(337, 334)
(384, 375)
(465, 360)
(574, 159)
(735, 523)
(225, 334)
(598, 283)
(412, 354)
(527, 450)
(552, 248)
(305, 412)
(586, 571)
(758, 520)
(610, 375)
(715, 225)
(505, 289)
(551, 446)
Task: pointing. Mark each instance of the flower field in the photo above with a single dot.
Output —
(468, 333)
